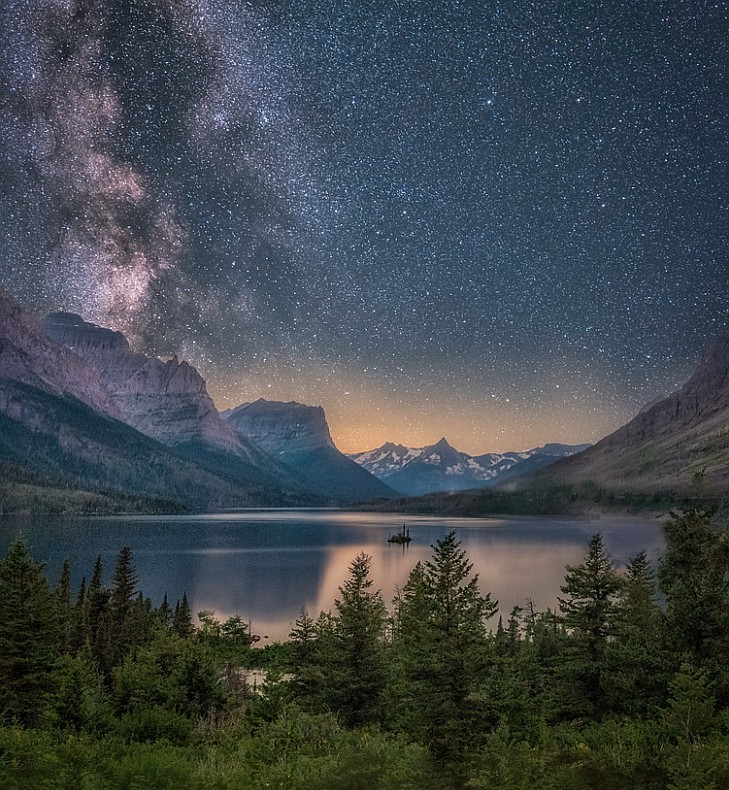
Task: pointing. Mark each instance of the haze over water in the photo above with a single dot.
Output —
(268, 565)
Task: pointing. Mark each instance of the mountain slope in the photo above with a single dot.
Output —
(531, 461)
(58, 440)
(168, 401)
(28, 355)
(59, 427)
(667, 444)
(298, 436)
(440, 467)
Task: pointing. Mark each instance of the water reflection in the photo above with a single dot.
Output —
(267, 565)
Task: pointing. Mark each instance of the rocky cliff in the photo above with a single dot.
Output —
(61, 431)
(281, 427)
(83, 413)
(167, 400)
(28, 355)
(298, 435)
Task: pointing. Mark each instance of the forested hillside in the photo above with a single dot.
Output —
(625, 686)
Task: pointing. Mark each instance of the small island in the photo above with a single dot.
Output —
(400, 537)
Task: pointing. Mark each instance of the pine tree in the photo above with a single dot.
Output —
(589, 610)
(164, 613)
(459, 611)
(198, 678)
(80, 618)
(693, 575)
(182, 619)
(635, 661)
(234, 633)
(690, 720)
(440, 643)
(30, 635)
(100, 627)
(359, 661)
(63, 588)
(63, 594)
(123, 590)
(128, 615)
(308, 674)
(97, 600)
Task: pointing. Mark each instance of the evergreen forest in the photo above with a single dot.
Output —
(626, 685)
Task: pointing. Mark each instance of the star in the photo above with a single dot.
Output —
(505, 223)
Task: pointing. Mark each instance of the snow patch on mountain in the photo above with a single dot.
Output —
(440, 467)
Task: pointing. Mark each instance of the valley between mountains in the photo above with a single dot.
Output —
(88, 424)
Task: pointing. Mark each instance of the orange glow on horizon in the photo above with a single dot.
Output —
(362, 417)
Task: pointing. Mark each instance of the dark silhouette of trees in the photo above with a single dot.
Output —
(694, 577)
(358, 661)
(440, 643)
(30, 636)
(589, 608)
(622, 688)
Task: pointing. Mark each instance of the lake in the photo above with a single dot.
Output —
(267, 565)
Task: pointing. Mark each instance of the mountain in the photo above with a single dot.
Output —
(62, 430)
(29, 356)
(532, 460)
(668, 444)
(167, 401)
(440, 467)
(57, 441)
(298, 436)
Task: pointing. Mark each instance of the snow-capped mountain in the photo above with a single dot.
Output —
(440, 467)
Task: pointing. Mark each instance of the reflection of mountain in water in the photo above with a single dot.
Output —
(266, 566)
(270, 589)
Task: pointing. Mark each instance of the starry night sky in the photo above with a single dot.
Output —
(505, 222)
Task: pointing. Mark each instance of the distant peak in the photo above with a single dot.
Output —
(442, 442)
(274, 424)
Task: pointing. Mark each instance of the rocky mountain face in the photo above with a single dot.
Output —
(167, 400)
(440, 467)
(82, 411)
(281, 427)
(28, 355)
(668, 444)
(48, 440)
(298, 435)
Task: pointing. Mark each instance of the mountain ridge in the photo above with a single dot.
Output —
(441, 467)
(669, 444)
(69, 431)
(168, 400)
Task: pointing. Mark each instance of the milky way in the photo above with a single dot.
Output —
(504, 222)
